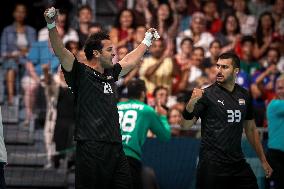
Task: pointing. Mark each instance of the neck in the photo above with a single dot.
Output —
(95, 65)
(229, 86)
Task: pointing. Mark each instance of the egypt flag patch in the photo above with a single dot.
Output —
(242, 101)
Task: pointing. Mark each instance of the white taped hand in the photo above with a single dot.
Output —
(51, 12)
(149, 37)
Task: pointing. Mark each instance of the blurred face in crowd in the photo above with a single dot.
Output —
(211, 73)
(240, 5)
(20, 13)
(187, 47)
(247, 49)
(163, 12)
(162, 95)
(73, 47)
(215, 49)
(126, 19)
(157, 49)
(61, 19)
(139, 34)
(231, 24)
(266, 22)
(279, 89)
(279, 7)
(226, 73)
(210, 8)
(272, 57)
(174, 117)
(197, 56)
(85, 16)
(121, 53)
(198, 25)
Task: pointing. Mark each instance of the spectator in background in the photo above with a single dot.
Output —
(138, 36)
(277, 10)
(263, 84)
(157, 69)
(230, 33)
(197, 32)
(161, 95)
(257, 7)
(248, 63)
(3, 155)
(94, 28)
(213, 21)
(215, 50)
(182, 61)
(175, 117)
(225, 7)
(275, 117)
(64, 30)
(16, 40)
(247, 21)
(85, 17)
(39, 55)
(122, 32)
(264, 34)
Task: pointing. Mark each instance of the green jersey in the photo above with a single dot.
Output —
(135, 119)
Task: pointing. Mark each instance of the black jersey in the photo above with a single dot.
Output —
(96, 113)
(222, 115)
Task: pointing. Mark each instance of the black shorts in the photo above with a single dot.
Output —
(212, 175)
(136, 172)
(101, 165)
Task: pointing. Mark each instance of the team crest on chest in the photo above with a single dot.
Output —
(242, 101)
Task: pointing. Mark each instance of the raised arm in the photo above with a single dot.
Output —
(253, 138)
(188, 118)
(133, 58)
(65, 57)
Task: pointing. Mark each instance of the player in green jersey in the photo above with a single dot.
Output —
(136, 118)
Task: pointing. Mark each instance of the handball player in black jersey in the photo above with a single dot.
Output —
(225, 110)
(100, 160)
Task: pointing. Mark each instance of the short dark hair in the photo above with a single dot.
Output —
(229, 55)
(159, 88)
(186, 39)
(215, 41)
(135, 88)
(276, 50)
(94, 42)
(86, 6)
(247, 38)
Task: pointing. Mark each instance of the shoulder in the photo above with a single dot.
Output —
(8, 28)
(30, 29)
(241, 89)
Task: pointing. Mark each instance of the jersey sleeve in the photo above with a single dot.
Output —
(200, 106)
(116, 71)
(250, 111)
(72, 77)
(159, 126)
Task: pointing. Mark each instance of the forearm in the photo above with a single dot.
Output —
(254, 140)
(56, 42)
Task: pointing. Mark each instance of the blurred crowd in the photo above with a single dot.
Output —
(193, 34)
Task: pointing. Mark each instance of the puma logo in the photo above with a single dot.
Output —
(222, 102)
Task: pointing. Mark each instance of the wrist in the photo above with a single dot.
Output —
(51, 25)
(187, 115)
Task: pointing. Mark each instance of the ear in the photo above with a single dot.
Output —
(96, 53)
(237, 70)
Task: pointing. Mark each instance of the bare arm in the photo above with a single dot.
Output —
(253, 138)
(196, 95)
(134, 57)
(152, 69)
(65, 57)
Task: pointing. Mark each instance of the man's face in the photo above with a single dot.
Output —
(106, 54)
(226, 72)
(175, 117)
(280, 88)
(157, 49)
